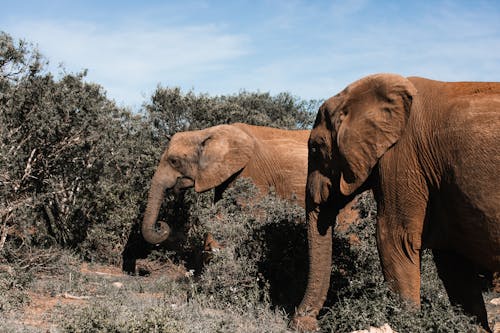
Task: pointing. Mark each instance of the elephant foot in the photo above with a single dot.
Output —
(304, 324)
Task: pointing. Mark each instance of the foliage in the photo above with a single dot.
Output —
(64, 148)
(12, 290)
(99, 317)
(19, 269)
(17, 60)
(256, 264)
(75, 168)
(171, 111)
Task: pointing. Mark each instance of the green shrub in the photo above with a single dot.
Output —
(264, 255)
(170, 110)
(73, 165)
(194, 316)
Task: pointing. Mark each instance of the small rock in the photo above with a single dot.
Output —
(117, 285)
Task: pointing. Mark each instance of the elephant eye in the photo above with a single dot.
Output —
(205, 141)
(174, 162)
(343, 114)
(314, 147)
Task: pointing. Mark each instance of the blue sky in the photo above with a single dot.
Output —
(311, 49)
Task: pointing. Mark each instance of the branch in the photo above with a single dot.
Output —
(69, 296)
(3, 234)
(27, 170)
(6, 215)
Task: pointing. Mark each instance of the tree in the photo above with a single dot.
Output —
(67, 153)
(171, 111)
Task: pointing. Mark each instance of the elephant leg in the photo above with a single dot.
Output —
(402, 272)
(462, 284)
(400, 219)
(400, 258)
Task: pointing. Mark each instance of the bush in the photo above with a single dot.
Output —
(20, 269)
(13, 293)
(264, 258)
(236, 291)
(72, 163)
(166, 316)
(170, 110)
(75, 168)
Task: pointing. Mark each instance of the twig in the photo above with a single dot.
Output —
(3, 234)
(27, 170)
(69, 296)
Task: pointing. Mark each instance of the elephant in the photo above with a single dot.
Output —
(214, 157)
(430, 152)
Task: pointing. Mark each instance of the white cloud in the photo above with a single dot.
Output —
(425, 46)
(311, 50)
(131, 56)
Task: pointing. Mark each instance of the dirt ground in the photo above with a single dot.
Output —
(36, 315)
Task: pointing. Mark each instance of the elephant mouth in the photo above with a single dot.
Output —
(182, 183)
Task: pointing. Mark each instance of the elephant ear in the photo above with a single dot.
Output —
(222, 153)
(373, 122)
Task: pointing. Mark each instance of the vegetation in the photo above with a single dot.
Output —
(75, 168)
(74, 176)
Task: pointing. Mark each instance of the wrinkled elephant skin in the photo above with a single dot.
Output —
(430, 151)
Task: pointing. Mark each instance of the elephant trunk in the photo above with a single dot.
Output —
(155, 232)
(320, 261)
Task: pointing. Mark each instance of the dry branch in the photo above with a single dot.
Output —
(3, 234)
(69, 296)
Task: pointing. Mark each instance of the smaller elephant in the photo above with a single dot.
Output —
(214, 157)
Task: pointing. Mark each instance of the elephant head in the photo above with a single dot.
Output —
(203, 159)
(351, 133)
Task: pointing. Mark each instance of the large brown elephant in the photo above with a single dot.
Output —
(430, 151)
(214, 157)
